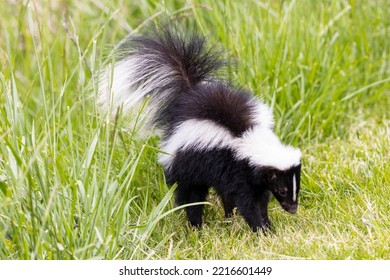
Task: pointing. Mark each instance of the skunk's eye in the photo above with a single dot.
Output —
(283, 192)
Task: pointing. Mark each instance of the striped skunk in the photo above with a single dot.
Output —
(214, 135)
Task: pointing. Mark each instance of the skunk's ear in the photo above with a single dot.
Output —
(271, 175)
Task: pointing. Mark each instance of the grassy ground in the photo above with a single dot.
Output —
(75, 186)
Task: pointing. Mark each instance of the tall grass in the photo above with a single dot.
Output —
(77, 185)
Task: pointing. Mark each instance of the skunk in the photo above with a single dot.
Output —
(212, 133)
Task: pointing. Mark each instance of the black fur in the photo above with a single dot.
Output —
(224, 105)
(237, 182)
(196, 171)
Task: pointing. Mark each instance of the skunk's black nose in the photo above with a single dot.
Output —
(291, 208)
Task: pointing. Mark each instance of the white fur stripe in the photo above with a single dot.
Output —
(131, 80)
(196, 134)
(262, 114)
(294, 188)
(260, 145)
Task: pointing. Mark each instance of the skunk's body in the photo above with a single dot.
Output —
(214, 135)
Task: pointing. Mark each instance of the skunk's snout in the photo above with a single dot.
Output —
(290, 208)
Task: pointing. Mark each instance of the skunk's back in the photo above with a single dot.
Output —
(232, 109)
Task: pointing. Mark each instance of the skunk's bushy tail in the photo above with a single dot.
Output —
(158, 65)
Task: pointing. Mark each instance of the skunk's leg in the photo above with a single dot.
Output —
(249, 208)
(186, 194)
(194, 213)
(228, 205)
(264, 199)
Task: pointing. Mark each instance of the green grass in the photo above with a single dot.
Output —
(74, 185)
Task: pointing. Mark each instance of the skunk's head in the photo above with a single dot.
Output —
(285, 185)
(276, 167)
